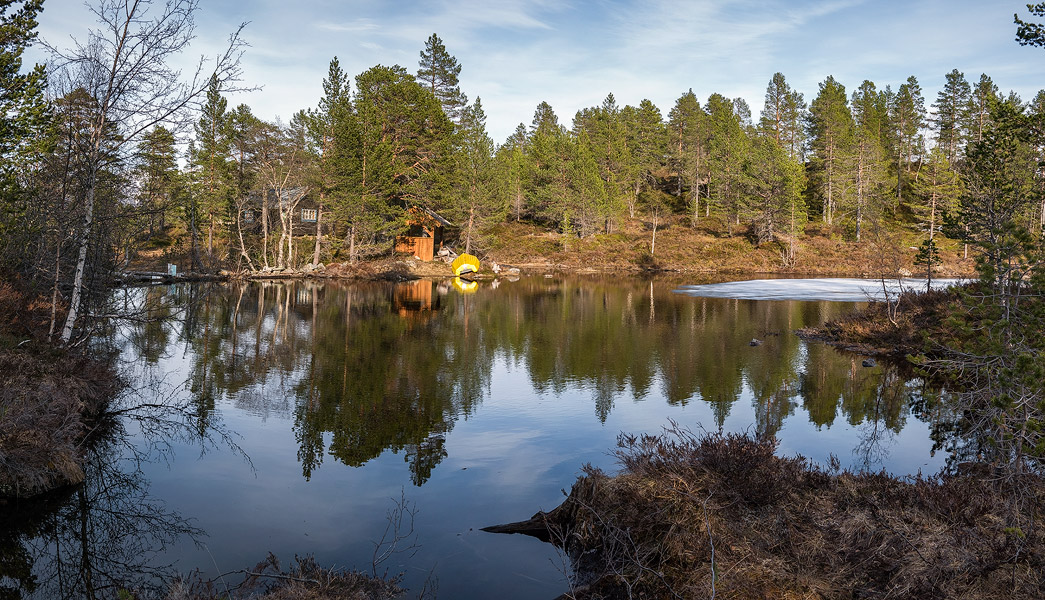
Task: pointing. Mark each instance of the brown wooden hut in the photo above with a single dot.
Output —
(425, 234)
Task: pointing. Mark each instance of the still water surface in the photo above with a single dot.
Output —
(476, 406)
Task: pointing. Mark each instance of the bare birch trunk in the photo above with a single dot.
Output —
(81, 260)
(319, 235)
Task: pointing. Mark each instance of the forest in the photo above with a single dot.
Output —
(105, 160)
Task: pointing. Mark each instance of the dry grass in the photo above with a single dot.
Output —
(305, 581)
(706, 248)
(722, 516)
(47, 401)
(908, 329)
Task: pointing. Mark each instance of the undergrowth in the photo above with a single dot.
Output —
(306, 580)
(719, 515)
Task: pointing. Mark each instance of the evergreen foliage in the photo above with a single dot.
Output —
(438, 71)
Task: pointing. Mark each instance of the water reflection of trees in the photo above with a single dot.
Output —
(93, 540)
(366, 368)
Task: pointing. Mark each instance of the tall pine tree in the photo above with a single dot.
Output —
(438, 71)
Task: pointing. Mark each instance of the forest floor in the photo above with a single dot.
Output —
(709, 248)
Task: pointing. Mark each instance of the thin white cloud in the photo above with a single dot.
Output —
(517, 53)
(358, 25)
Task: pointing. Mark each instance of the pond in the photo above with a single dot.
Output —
(456, 405)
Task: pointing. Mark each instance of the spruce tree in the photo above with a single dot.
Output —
(157, 174)
(647, 147)
(475, 203)
(729, 148)
(325, 124)
(869, 170)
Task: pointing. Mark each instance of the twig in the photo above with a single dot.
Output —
(711, 540)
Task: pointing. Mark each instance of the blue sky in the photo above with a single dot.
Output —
(517, 53)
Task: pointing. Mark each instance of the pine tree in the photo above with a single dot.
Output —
(438, 71)
(907, 118)
(23, 109)
(1030, 33)
(951, 106)
(831, 135)
(687, 150)
(978, 110)
(869, 170)
(404, 148)
(783, 116)
(213, 161)
(939, 187)
(773, 191)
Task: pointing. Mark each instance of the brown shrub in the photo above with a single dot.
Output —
(916, 322)
(689, 514)
(305, 581)
(45, 402)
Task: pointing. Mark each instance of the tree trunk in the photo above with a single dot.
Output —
(264, 230)
(319, 234)
(81, 261)
(242, 245)
(468, 234)
(352, 244)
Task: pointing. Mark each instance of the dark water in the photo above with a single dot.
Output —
(468, 407)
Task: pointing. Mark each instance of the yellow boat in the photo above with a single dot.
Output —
(465, 263)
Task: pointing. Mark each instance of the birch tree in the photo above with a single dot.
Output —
(124, 64)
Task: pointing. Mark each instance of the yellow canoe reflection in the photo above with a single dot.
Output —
(464, 286)
(465, 263)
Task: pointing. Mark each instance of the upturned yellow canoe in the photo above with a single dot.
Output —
(465, 263)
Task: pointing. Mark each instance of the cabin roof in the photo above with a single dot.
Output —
(439, 219)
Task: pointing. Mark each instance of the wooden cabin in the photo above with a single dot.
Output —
(425, 234)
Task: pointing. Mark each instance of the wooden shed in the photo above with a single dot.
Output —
(425, 234)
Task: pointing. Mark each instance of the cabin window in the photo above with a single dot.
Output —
(248, 216)
(308, 214)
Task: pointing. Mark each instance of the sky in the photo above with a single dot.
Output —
(571, 54)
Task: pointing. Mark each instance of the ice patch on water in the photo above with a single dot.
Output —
(837, 290)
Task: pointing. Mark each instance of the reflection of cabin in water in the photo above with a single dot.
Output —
(415, 300)
(425, 234)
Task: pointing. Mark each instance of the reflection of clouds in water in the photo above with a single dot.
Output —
(514, 459)
(261, 404)
(838, 290)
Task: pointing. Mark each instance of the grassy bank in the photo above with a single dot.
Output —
(722, 516)
(51, 399)
(305, 580)
(912, 325)
(710, 247)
